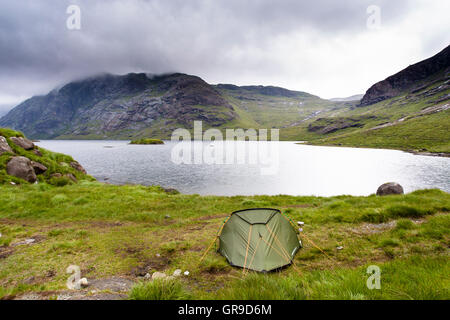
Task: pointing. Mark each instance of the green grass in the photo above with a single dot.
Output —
(412, 278)
(159, 289)
(114, 230)
(424, 134)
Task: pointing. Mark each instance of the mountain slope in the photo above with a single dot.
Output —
(412, 78)
(108, 106)
(139, 105)
(274, 107)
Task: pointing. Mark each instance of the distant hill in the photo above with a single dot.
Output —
(355, 97)
(413, 78)
(110, 105)
(141, 105)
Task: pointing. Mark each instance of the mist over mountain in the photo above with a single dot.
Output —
(131, 105)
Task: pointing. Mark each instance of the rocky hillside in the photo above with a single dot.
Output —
(21, 161)
(109, 105)
(414, 78)
(140, 105)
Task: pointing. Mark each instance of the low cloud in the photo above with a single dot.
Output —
(322, 47)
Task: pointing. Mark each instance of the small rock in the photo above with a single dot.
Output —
(300, 223)
(148, 276)
(12, 183)
(177, 273)
(171, 191)
(50, 274)
(4, 146)
(78, 167)
(186, 273)
(166, 217)
(23, 143)
(25, 242)
(158, 255)
(158, 275)
(340, 248)
(113, 284)
(29, 280)
(84, 282)
(38, 167)
(389, 188)
(71, 177)
(37, 152)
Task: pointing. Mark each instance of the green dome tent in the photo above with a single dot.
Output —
(258, 239)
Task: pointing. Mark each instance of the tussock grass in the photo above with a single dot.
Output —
(159, 289)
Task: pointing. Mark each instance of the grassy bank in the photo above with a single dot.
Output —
(147, 141)
(422, 134)
(56, 163)
(127, 231)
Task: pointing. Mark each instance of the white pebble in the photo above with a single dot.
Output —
(177, 273)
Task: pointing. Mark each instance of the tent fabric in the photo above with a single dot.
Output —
(260, 239)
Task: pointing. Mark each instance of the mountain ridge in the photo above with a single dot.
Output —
(414, 77)
(142, 104)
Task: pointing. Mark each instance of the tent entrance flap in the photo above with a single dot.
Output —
(260, 239)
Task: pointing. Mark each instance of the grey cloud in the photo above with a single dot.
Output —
(212, 39)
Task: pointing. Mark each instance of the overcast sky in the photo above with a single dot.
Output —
(323, 47)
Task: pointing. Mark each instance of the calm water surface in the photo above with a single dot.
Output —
(299, 170)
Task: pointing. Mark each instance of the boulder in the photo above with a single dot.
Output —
(38, 167)
(71, 177)
(171, 191)
(21, 167)
(77, 167)
(389, 188)
(23, 143)
(4, 146)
